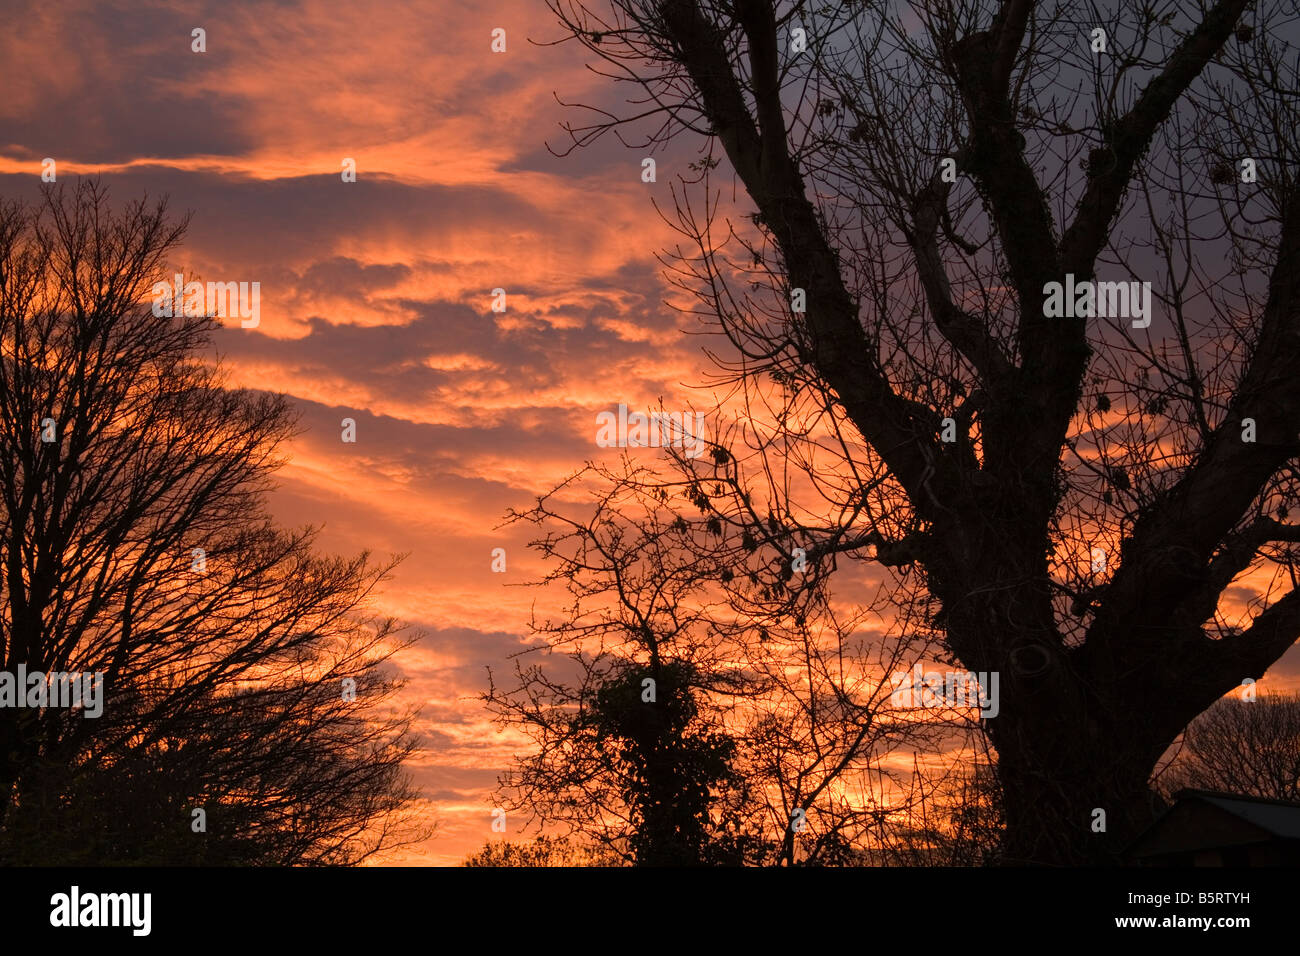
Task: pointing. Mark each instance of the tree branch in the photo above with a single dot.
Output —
(963, 330)
(1131, 136)
(1169, 550)
(840, 350)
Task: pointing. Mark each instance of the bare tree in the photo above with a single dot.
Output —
(242, 674)
(682, 724)
(1075, 487)
(1241, 746)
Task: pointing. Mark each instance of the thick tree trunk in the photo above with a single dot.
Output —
(1076, 742)
(1069, 805)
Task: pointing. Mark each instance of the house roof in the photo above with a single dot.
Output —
(1279, 817)
(1207, 819)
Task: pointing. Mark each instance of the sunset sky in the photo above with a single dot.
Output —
(376, 295)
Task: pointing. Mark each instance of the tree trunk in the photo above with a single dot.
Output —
(1068, 803)
(1076, 741)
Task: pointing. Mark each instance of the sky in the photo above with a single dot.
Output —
(376, 294)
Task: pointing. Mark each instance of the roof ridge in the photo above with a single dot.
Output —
(1193, 792)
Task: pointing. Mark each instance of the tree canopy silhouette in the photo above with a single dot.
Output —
(1241, 746)
(135, 542)
(681, 725)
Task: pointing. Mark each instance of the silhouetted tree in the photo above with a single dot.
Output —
(672, 767)
(135, 541)
(676, 726)
(1241, 746)
(1073, 495)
